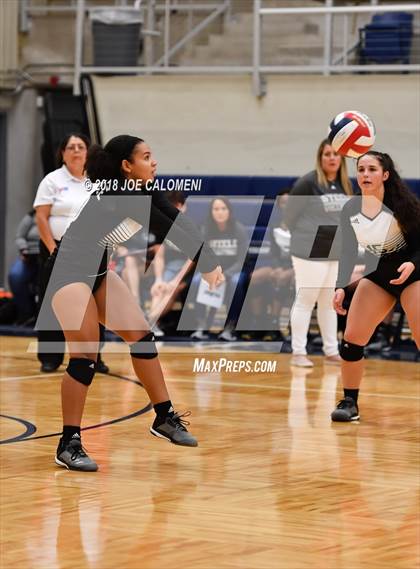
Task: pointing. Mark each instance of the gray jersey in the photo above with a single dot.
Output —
(313, 217)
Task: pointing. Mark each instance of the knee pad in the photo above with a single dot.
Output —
(351, 352)
(144, 352)
(82, 370)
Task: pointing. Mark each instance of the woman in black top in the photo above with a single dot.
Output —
(228, 240)
(83, 293)
(312, 216)
(385, 221)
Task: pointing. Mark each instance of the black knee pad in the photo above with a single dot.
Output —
(82, 370)
(144, 352)
(351, 352)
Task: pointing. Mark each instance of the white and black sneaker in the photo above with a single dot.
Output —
(346, 411)
(73, 456)
(174, 430)
(227, 336)
(158, 332)
(200, 335)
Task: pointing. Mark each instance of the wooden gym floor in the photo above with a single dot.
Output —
(273, 485)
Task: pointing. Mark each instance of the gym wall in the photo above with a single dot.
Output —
(215, 125)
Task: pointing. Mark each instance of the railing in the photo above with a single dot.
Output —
(216, 11)
(330, 63)
(148, 9)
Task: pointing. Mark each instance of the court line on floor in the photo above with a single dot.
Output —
(30, 429)
(35, 376)
(226, 384)
(283, 388)
(26, 436)
(46, 375)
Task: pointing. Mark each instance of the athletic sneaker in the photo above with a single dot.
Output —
(301, 361)
(158, 332)
(174, 430)
(73, 457)
(332, 360)
(227, 336)
(200, 335)
(345, 411)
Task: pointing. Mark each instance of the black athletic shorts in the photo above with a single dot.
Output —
(61, 278)
(387, 271)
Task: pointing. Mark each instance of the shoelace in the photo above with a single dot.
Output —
(78, 451)
(178, 422)
(344, 403)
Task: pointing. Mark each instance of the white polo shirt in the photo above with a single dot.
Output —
(66, 194)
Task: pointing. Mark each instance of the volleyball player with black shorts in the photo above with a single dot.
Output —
(385, 221)
(83, 292)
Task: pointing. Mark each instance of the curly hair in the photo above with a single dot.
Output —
(404, 204)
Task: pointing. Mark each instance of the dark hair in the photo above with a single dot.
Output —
(105, 163)
(176, 198)
(64, 142)
(211, 225)
(398, 197)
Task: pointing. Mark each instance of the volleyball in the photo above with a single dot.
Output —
(352, 134)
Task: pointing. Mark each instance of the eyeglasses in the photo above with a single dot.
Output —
(74, 147)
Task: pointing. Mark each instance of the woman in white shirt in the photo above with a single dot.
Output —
(59, 198)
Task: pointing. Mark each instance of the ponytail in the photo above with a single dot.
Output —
(101, 165)
(105, 163)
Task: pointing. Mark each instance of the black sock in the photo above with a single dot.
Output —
(353, 393)
(162, 411)
(68, 432)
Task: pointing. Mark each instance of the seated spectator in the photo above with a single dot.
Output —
(23, 274)
(383, 336)
(172, 272)
(131, 262)
(228, 239)
(271, 285)
(356, 275)
(131, 259)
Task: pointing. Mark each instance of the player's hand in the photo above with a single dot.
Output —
(405, 269)
(157, 288)
(122, 251)
(171, 285)
(214, 278)
(338, 301)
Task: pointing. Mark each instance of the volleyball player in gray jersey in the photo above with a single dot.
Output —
(385, 221)
(83, 293)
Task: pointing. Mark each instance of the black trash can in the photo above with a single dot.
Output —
(116, 37)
